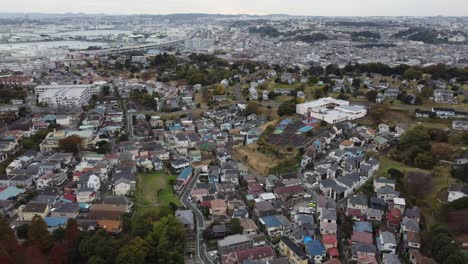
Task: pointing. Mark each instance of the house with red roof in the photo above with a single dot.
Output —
(262, 253)
(394, 217)
(362, 238)
(329, 241)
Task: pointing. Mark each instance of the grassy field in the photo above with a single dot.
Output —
(154, 189)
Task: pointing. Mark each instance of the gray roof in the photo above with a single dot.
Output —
(66, 208)
(329, 214)
(359, 199)
(233, 239)
(459, 188)
(389, 258)
(388, 237)
(387, 190)
(410, 224)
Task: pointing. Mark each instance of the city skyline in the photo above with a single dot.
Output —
(259, 7)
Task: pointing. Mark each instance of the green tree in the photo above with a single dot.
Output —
(58, 234)
(287, 108)
(38, 234)
(425, 160)
(99, 245)
(356, 83)
(236, 227)
(103, 147)
(371, 96)
(313, 80)
(22, 231)
(412, 74)
(219, 89)
(456, 258)
(167, 241)
(6, 233)
(70, 144)
(134, 252)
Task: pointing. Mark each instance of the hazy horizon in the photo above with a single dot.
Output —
(252, 7)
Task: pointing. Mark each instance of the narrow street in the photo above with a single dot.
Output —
(199, 219)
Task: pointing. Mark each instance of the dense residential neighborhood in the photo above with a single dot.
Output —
(234, 140)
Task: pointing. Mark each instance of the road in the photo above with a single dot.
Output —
(200, 220)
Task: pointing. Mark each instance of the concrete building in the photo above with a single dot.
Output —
(65, 95)
(331, 110)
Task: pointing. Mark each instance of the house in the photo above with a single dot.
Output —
(382, 182)
(386, 242)
(218, 207)
(359, 202)
(65, 210)
(315, 250)
(409, 225)
(412, 239)
(292, 251)
(387, 193)
(361, 237)
(389, 258)
(31, 209)
(124, 184)
(234, 243)
(457, 191)
(372, 214)
(249, 226)
(413, 213)
(276, 224)
(399, 203)
(262, 253)
(416, 257)
(184, 177)
(444, 97)
(185, 217)
(460, 125)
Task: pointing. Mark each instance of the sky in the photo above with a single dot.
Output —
(259, 7)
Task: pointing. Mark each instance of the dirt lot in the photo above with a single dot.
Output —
(257, 161)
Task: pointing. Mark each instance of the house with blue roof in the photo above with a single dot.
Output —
(276, 225)
(183, 178)
(55, 221)
(11, 192)
(363, 227)
(315, 250)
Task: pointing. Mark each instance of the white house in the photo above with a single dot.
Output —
(457, 191)
(94, 182)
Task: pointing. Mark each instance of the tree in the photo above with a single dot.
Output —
(58, 234)
(396, 174)
(425, 160)
(313, 80)
(442, 151)
(456, 258)
(219, 89)
(134, 252)
(236, 227)
(287, 108)
(38, 234)
(167, 241)
(356, 83)
(99, 245)
(371, 96)
(6, 233)
(58, 254)
(70, 144)
(72, 233)
(22, 231)
(252, 108)
(412, 74)
(461, 172)
(103, 147)
(106, 90)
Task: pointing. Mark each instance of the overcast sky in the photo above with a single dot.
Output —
(292, 7)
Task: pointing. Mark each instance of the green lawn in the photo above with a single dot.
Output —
(154, 189)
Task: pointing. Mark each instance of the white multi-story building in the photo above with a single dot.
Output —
(66, 95)
(331, 110)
